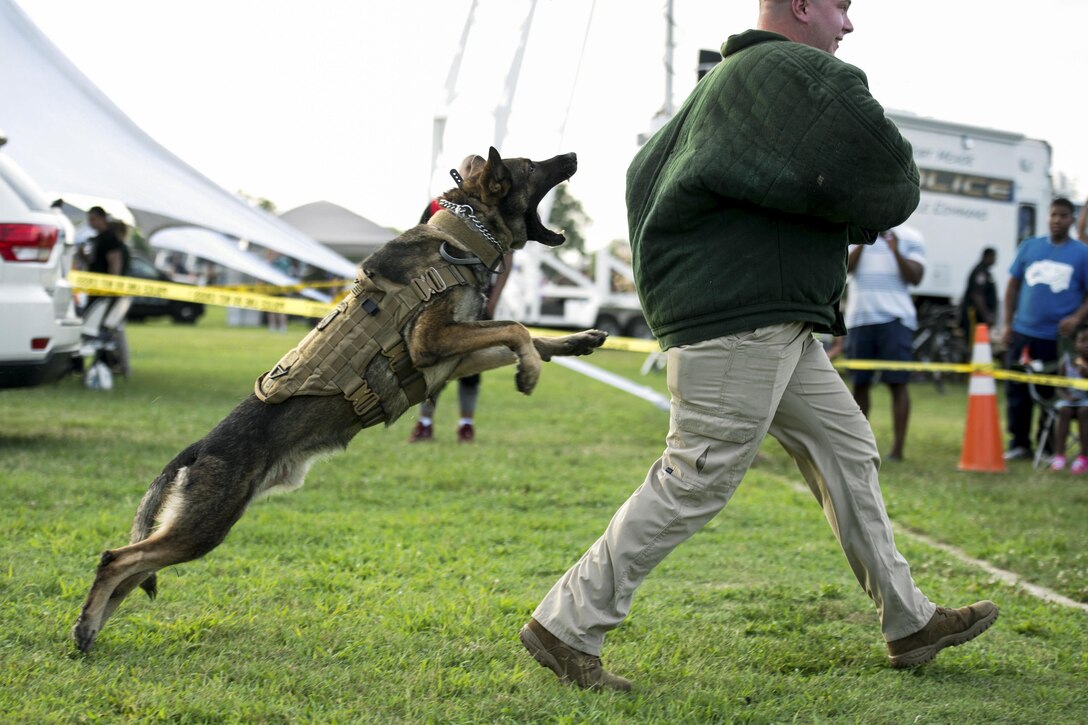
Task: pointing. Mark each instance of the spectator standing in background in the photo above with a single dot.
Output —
(1044, 300)
(881, 319)
(979, 303)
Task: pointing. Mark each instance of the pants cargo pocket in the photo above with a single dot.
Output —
(707, 450)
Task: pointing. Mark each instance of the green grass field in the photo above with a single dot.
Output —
(392, 586)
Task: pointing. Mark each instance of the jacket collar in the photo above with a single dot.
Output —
(747, 39)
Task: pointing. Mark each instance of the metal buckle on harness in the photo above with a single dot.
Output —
(429, 284)
(363, 399)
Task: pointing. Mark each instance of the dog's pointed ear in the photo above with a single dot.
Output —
(497, 177)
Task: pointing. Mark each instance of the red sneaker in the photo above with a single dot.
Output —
(465, 433)
(421, 433)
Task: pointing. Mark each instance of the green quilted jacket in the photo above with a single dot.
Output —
(741, 208)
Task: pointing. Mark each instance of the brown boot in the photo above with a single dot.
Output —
(947, 628)
(568, 663)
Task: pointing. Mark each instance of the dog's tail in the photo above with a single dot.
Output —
(151, 505)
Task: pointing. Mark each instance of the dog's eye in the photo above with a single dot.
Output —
(532, 167)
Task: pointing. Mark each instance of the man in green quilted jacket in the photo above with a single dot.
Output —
(741, 210)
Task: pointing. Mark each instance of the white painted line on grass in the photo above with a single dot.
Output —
(1006, 576)
(661, 402)
(1037, 591)
(616, 381)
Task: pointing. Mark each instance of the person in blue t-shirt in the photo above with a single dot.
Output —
(1045, 299)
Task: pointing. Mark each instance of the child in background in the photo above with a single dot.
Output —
(1073, 400)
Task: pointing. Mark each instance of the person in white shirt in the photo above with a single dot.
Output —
(881, 318)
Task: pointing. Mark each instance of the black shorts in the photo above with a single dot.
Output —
(887, 341)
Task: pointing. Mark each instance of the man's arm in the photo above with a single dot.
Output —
(978, 300)
(1082, 222)
(1069, 324)
(1012, 292)
(115, 261)
(500, 282)
(853, 257)
(909, 269)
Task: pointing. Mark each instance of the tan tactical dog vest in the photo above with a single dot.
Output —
(335, 356)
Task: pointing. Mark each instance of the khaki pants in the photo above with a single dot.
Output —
(727, 394)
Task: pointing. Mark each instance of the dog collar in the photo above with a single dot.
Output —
(479, 241)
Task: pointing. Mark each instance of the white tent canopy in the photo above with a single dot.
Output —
(71, 138)
(224, 251)
(341, 229)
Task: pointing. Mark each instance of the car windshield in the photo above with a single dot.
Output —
(22, 185)
(139, 267)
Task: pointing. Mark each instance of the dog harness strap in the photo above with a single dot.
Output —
(363, 336)
(367, 404)
(411, 380)
(448, 222)
(436, 280)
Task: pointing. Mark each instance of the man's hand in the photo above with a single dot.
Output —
(1006, 336)
(1068, 325)
(836, 348)
(892, 241)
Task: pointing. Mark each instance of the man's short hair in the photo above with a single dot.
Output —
(1062, 201)
(97, 211)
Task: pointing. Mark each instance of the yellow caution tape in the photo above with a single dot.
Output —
(1015, 376)
(108, 284)
(913, 366)
(273, 289)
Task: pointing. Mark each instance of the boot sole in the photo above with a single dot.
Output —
(926, 654)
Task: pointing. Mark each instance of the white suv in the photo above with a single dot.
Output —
(39, 328)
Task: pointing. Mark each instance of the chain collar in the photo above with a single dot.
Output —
(467, 214)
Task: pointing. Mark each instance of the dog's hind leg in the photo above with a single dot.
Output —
(194, 518)
(119, 571)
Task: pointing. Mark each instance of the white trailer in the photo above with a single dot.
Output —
(544, 291)
(980, 188)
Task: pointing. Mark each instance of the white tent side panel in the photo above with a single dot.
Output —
(71, 138)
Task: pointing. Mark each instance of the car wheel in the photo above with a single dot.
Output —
(185, 315)
(609, 324)
(637, 327)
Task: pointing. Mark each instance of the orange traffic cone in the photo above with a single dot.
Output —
(982, 449)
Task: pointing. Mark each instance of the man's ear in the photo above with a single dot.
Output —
(496, 176)
(800, 9)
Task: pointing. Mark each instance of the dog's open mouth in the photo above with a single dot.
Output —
(556, 170)
(536, 230)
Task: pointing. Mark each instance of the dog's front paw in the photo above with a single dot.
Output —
(585, 342)
(526, 378)
(83, 634)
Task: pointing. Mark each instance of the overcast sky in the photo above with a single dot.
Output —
(303, 100)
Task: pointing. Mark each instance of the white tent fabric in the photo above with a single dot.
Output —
(341, 229)
(224, 251)
(71, 138)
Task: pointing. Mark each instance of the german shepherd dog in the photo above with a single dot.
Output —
(261, 446)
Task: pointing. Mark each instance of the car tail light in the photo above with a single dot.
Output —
(39, 343)
(27, 242)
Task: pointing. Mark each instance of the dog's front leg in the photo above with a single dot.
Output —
(434, 338)
(580, 343)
